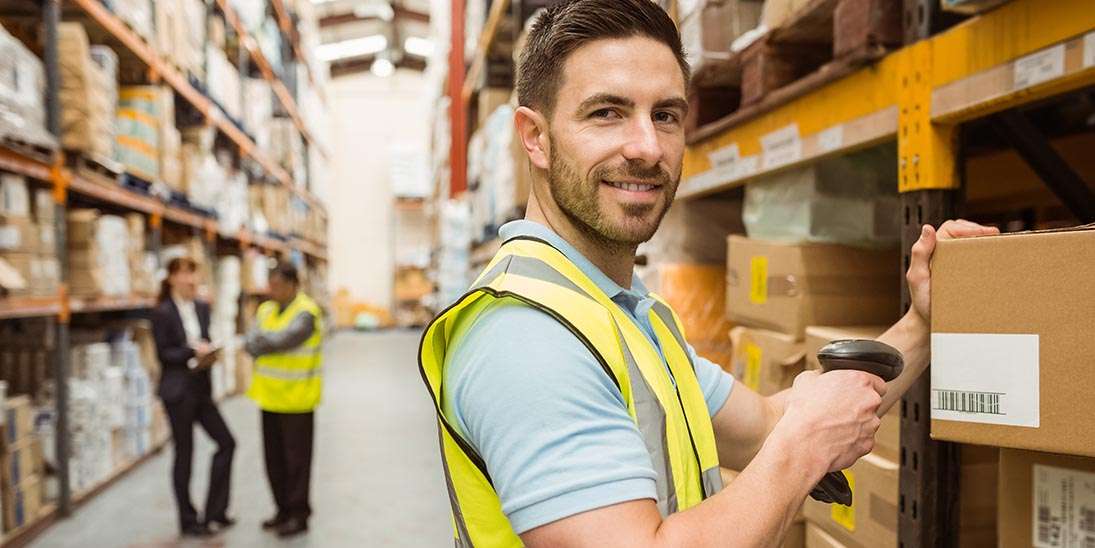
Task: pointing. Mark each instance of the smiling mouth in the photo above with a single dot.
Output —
(632, 187)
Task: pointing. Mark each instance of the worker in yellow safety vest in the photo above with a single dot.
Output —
(572, 410)
(286, 384)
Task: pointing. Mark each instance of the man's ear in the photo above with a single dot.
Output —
(532, 129)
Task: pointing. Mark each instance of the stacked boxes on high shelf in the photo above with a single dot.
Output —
(816, 257)
(88, 93)
(27, 238)
(21, 477)
(22, 74)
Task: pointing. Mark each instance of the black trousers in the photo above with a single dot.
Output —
(287, 441)
(183, 414)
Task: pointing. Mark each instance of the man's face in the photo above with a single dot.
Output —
(282, 290)
(617, 138)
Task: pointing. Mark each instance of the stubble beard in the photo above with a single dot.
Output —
(578, 199)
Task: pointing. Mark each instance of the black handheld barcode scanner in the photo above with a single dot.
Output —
(860, 355)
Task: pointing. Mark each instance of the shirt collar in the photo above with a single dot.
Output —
(527, 228)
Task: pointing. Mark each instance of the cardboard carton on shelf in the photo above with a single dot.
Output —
(20, 460)
(765, 361)
(712, 25)
(1046, 499)
(888, 438)
(786, 287)
(1012, 346)
(18, 419)
(22, 503)
(816, 537)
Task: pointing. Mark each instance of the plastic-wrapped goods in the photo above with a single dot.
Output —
(287, 147)
(140, 120)
(454, 257)
(87, 114)
(258, 110)
(225, 312)
(232, 207)
(190, 45)
(22, 94)
(269, 37)
(98, 249)
(250, 13)
(850, 200)
(137, 14)
(223, 81)
(254, 272)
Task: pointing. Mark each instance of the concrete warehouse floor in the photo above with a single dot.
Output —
(376, 477)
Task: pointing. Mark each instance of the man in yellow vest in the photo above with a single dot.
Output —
(286, 384)
(571, 409)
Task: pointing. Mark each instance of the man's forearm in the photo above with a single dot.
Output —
(755, 510)
(911, 336)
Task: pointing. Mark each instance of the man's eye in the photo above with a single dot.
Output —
(665, 117)
(605, 113)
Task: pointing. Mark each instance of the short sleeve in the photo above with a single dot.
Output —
(715, 383)
(548, 421)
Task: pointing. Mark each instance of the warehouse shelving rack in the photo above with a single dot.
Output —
(990, 65)
(66, 184)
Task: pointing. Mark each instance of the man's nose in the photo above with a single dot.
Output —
(642, 143)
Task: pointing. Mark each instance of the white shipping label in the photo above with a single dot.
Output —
(1040, 67)
(724, 156)
(1064, 508)
(1089, 50)
(985, 378)
(10, 237)
(781, 147)
(831, 139)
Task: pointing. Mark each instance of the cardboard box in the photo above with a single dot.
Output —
(1013, 356)
(785, 287)
(978, 496)
(888, 438)
(22, 503)
(20, 461)
(816, 537)
(18, 236)
(713, 25)
(871, 520)
(1060, 487)
(765, 361)
(18, 419)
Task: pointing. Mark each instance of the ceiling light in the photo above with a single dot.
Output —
(422, 47)
(355, 47)
(382, 68)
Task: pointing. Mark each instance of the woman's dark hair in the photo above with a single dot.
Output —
(175, 265)
(287, 272)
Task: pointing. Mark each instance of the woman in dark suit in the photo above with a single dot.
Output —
(180, 325)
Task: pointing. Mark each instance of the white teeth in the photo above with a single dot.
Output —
(632, 187)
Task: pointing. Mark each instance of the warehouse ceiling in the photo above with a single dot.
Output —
(376, 35)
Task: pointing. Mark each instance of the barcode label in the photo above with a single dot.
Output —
(1064, 507)
(986, 378)
(961, 401)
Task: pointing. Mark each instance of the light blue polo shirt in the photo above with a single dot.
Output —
(551, 426)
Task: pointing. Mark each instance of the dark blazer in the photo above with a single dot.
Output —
(176, 379)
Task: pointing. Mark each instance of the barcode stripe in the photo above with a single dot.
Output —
(963, 401)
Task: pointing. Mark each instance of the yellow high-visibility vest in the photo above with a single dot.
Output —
(290, 381)
(663, 396)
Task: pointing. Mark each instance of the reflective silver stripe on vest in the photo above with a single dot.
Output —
(712, 482)
(649, 413)
(666, 316)
(463, 539)
(650, 417)
(287, 375)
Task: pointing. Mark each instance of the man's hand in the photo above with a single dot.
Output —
(833, 416)
(202, 349)
(919, 274)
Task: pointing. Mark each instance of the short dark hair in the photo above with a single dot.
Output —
(565, 26)
(287, 272)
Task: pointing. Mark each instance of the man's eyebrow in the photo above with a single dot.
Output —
(605, 99)
(675, 102)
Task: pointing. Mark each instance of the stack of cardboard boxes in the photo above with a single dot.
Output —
(27, 239)
(20, 478)
(98, 254)
(1012, 366)
(775, 292)
(88, 95)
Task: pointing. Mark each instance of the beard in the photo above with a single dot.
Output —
(580, 201)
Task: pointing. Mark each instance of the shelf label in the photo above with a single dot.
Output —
(985, 378)
(1089, 50)
(1063, 507)
(1040, 67)
(831, 139)
(724, 156)
(781, 147)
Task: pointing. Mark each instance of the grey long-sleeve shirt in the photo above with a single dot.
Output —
(259, 342)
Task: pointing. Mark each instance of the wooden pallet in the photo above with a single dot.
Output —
(824, 36)
(35, 151)
(96, 169)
